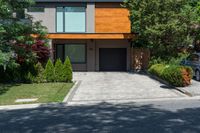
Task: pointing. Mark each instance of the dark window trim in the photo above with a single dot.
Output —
(63, 55)
(64, 18)
(28, 9)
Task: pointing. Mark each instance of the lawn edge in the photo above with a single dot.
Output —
(71, 93)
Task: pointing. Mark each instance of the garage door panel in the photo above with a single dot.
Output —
(112, 59)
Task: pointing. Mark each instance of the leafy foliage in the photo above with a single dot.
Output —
(157, 69)
(40, 73)
(172, 60)
(174, 74)
(67, 70)
(59, 75)
(49, 71)
(18, 48)
(41, 50)
(163, 25)
(16, 38)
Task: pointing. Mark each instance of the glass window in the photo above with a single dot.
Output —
(74, 19)
(59, 19)
(59, 52)
(76, 53)
(71, 19)
(35, 9)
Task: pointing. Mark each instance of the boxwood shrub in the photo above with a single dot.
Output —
(176, 75)
(157, 69)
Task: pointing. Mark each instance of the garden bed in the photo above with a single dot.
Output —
(43, 92)
(178, 76)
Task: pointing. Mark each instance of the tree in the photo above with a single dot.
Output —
(59, 77)
(16, 38)
(42, 51)
(162, 25)
(40, 73)
(18, 48)
(67, 70)
(49, 72)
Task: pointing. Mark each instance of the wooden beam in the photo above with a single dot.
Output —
(92, 36)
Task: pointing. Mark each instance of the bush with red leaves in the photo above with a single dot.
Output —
(41, 50)
(37, 52)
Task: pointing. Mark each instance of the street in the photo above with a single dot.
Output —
(170, 116)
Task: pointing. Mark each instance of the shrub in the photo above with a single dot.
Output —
(41, 50)
(155, 60)
(59, 76)
(174, 74)
(157, 69)
(177, 60)
(40, 73)
(67, 70)
(49, 71)
(170, 60)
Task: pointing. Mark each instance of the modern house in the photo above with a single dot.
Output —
(94, 34)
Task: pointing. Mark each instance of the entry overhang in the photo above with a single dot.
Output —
(92, 36)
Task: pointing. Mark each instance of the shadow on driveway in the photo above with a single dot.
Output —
(101, 118)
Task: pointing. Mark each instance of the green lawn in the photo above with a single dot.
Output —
(45, 92)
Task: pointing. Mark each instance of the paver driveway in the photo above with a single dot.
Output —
(105, 86)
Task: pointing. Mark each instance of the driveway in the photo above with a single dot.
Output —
(119, 86)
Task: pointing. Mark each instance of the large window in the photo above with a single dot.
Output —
(76, 52)
(70, 19)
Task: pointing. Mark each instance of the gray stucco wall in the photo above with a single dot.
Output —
(48, 17)
(90, 18)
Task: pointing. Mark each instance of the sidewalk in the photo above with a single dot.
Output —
(193, 89)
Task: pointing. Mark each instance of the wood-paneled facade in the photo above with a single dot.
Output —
(108, 28)
(111, 18)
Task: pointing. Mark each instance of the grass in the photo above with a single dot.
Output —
(45, 92)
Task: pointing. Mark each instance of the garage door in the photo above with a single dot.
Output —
(112, 59)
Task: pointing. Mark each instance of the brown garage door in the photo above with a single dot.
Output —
(112, 59)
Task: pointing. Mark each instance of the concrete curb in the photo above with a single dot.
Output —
(72, 91)
(166, 83)
(134, 101)
(29, 106)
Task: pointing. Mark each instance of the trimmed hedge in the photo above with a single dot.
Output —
(49, 71)
(40, 78)
(176, 75)
(67, 70)
(59, 76)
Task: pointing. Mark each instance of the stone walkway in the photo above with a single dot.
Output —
(108, 86)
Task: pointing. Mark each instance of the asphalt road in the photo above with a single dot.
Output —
(174, 116)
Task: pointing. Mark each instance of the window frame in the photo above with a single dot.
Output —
(63, 7)
(63, 52)
(28, 9)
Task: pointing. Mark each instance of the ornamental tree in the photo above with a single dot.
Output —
(17, 45)
(163, 25)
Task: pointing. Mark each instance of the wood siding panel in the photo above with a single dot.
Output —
(91, 36)
(112, 20)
